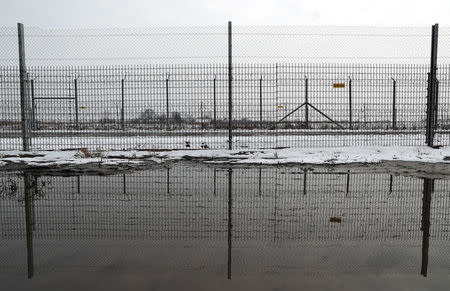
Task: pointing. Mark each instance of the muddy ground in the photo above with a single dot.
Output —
(413, 169)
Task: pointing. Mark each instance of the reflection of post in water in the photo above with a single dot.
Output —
(124, 184)
(428, 186)
(304, 182)
(28, 197)
(390, 184)
(73, 202)
(275, 207)
(215, 182)
(73, 205)
(168, 180)
(34, 193)
(230, 224)
(260, 182)
(347, 190)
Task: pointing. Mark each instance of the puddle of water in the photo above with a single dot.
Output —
(188, 226)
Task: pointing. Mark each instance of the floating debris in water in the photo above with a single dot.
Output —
(336, 219)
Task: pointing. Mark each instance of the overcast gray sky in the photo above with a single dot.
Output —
(132, 13)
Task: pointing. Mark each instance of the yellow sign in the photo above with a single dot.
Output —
(338, 85)
(280, 106)
(82, 107)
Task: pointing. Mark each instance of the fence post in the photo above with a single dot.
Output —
(394, 109)
(230, 87)
(33, 106)
(24, 106)
(167, 105)
(215, 103)
(431, 96)
(122, 116)
(306, 103)
(77, 125)
(436, 104)
(276, 98)
(260, 104)
(202, 125)
(350, 123)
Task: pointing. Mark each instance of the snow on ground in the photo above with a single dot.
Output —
(317, 155)
(328, 156)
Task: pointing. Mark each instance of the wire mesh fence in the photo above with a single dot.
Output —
(168, 88)
(251, 44)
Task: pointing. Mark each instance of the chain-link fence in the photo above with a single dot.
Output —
(169, 88)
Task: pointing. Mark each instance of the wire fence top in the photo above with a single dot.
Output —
(255, 44)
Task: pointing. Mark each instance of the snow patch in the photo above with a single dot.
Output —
(342, 155)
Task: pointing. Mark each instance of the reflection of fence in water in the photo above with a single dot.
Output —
(191, 202)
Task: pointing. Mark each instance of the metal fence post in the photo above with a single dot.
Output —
(167, 105)
(276, 98)
(431, 96)
(436, 104)
(260, 104)
(33, 106)
(122, 115)
(215, 103)
(306, 104)
(350, 122)
(394, 109)
(24, 106)
(77, 125)
(429, 134)
(202, 125)
(230, 87)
